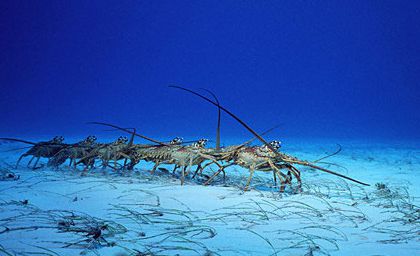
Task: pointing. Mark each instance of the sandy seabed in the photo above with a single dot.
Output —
(61, 212)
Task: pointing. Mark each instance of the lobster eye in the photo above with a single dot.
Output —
(275, 144)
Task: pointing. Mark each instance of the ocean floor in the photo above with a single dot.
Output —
(61, 212)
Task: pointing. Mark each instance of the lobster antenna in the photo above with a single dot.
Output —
(218, 119)
(127, 130)
(16, 149)
(263, 133)
(261, 138)
(330, 155)
(188, 142)
(19, 140)
(228, 112)
(184, 142)
(131, 142)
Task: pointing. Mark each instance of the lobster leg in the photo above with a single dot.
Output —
(30, 161)
(212, 161)
(201, 168)
(296, 173)
(104, 163)
(183, 175)
(189, 166)
(126, 157)
(196, 170)
(115, 163)
(20, 158)
(251, 173)
(212, 177)
(36, 162)
(291, 171)
(283, 179)
(75, 164)
(275, 178)
(175, 167)
(154, 167)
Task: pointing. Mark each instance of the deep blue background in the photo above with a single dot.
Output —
(321, 69)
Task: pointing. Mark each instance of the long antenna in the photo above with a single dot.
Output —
(263, 133)
(19, 140)
(229, 113)
(330, 155)
(218, 119)
(261, 138)
(127, 130)
(130, 143)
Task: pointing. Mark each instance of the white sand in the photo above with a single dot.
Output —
(154, 214)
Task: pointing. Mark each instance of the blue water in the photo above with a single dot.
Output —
(324, 72)
(327, 69)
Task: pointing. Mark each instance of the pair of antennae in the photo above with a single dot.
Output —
(229, 113)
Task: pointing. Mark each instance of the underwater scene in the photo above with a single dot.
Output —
(134, 128)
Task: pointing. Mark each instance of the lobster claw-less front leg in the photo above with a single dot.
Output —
(183, 174)
(251, 173)
(155, 166)
(296, 173)
(212, 160)
(221, 169)
(119, 156)
(262, 166)
(20, 158)
(282, 178)
(199, 168)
